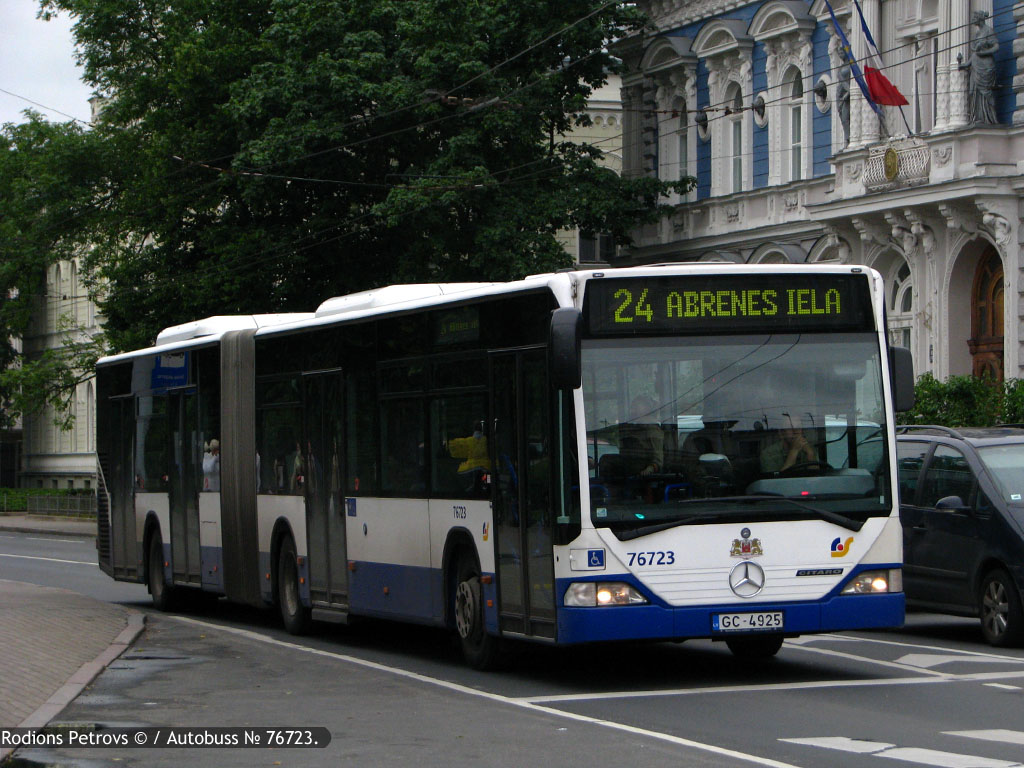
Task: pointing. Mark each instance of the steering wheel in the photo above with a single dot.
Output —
(817, 464)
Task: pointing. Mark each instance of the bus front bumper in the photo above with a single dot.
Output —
(654, 622)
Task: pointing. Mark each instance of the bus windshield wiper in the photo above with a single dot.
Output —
(825, 514)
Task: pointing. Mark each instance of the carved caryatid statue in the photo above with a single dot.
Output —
(981, 80)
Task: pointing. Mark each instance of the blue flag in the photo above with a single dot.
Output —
(854, 67)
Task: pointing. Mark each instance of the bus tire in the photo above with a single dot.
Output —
(163, 594)
(294, 614)
(999, 607)
(755, 647)
(479, 649)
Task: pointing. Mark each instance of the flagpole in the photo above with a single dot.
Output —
(878, 59)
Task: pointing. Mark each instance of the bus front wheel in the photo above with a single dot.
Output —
(161, 592)
(479, 649)
(754, 646)
(294, 614)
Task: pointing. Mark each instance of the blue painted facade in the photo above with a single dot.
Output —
(703, 147)
(1005, 27)
(759, 59)
(822, 121)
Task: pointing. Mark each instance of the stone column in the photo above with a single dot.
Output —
(870, 129)
(957, 42)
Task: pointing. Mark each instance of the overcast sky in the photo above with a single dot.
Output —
(37, 63)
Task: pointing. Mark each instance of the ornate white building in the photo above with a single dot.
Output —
(52, 457)
(749, 98)
(604, 108)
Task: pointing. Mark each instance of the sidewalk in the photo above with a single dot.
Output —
(53, 526)
(52, 644)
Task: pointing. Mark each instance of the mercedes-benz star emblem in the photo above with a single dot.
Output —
(746, 579)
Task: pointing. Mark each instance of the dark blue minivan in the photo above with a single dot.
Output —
(962, 510)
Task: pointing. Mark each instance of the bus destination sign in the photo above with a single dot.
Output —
(723, 303)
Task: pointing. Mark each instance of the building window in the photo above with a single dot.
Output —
(684, 155)
(735, 129)
(901, 291)
(796, 117)
(595, 247)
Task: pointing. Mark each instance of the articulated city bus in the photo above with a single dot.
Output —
(662, 452)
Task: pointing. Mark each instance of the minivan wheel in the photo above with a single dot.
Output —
(1002, 620)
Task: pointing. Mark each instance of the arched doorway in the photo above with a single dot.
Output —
(987, 300)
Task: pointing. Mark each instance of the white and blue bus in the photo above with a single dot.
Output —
(646, 453)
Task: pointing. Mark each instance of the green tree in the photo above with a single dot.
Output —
(46, 188)
(263, 155)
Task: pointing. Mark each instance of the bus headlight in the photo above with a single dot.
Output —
(589, 594)
(875, 582)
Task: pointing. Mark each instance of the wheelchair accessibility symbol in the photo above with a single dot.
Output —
(595, 558)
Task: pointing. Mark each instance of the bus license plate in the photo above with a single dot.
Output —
(746, 622)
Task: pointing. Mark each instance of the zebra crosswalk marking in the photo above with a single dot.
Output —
(930, 757)
(996, 734)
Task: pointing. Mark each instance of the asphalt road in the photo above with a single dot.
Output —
(932, 694)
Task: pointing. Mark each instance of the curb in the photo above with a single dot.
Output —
(78, 681)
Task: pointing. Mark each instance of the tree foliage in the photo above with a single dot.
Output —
(966, 401)
(263, 155)
(46, 193)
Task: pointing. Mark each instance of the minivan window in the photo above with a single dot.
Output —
(948, 474)
(909, 460)
(1006, 465)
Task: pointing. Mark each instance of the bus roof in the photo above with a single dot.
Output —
(404, 297)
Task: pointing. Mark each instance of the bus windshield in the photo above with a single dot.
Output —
(688, 430)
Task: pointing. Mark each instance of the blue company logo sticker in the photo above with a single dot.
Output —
(595, 558)
(350, 505)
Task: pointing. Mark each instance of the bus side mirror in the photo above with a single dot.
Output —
(564, 358)
(901, 371)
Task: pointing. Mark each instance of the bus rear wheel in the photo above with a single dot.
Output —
(754, 647)
(479, 649)
(294, 614)
(163, 594)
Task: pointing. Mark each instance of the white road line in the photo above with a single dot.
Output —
(48, 540)
(767, 688)
(770, 687)
(931, 757)
(50, 559)
(865, 660)
(996, 734)
(1004, 687)
(41, 539)
(899, 644)
(929, 660)
(520, 703)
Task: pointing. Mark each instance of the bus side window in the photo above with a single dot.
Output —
(458, 438)
(402, 437)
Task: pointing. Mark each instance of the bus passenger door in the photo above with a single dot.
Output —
(123, 556)
(523, 515)
(323, 467)
(185, 480)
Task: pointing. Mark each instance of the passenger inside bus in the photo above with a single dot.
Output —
(790, 448)
(211, 467)
(473, 452)
(640, 440)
